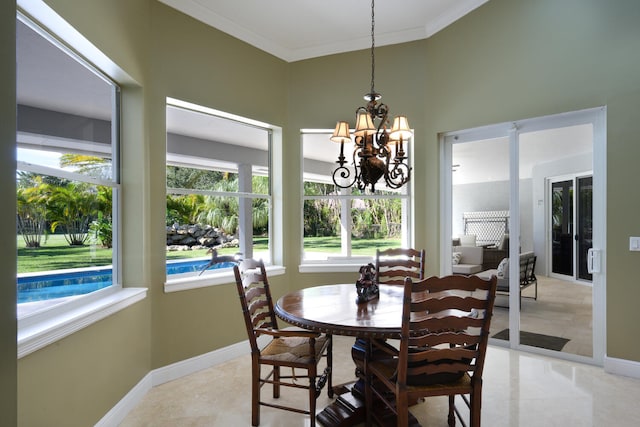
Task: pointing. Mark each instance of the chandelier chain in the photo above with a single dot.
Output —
(378, 151)
(373, 44)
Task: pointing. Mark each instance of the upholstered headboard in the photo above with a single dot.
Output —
(488, 226)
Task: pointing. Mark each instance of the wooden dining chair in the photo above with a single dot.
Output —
(445, 329)
(295, 349)
(393, 265)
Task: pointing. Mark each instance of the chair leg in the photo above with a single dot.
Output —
(476, 404)
(276, 382)
(451, 418)
(330, 366)
(402, 409)
(312, 401)
(255, 393)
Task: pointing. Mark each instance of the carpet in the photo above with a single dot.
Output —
(536, 340)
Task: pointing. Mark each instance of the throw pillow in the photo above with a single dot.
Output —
(468, 240)
(504, 243)
(503, 268)
(456, 258)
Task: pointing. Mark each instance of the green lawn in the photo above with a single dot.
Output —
(358, 246)
(56, 254)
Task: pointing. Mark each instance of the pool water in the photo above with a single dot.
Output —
(57, 285)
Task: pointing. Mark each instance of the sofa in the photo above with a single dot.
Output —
(467, 259)
(527, 274)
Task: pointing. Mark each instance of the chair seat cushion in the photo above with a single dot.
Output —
(293, 349)
(463, 381)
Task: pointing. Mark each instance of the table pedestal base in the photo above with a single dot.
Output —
(347, 410)
(349, 407)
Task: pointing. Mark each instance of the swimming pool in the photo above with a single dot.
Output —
(45, 286)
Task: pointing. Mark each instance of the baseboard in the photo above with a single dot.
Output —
(117, 414)
(197, 363)
(169, 373)
(627, 368)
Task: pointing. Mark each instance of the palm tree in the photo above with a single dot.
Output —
(184, 209)
(99, 167)
(32, 212)
(72, 207)
(101, 228)
(260, 208)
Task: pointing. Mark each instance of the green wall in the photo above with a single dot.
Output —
(507, 60)
(192, 62)
(512, 60)
(8, 348)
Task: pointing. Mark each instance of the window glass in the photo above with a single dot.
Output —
(67, 177)
(218, 190)
(343, 223)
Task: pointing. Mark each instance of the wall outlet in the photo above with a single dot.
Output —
(634, 243)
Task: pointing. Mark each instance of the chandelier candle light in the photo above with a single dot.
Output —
(380, 152)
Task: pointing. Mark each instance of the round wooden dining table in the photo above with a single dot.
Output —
(332, 309)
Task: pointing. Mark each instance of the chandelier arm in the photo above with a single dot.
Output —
(340, 174)
(385, 153)
(398, 175)
(359, 167)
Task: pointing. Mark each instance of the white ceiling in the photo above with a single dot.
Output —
(47, 77)
(488, 160)
(289, 29)
(300, 29)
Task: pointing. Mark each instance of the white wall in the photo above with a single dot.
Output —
(494, 196)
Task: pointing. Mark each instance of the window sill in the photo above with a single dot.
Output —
(38, 332)
(331, 266)
(211, 279)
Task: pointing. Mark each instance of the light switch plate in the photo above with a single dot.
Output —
(634, 243)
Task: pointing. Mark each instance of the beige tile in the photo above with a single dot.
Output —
(562, 309)
(520, 389)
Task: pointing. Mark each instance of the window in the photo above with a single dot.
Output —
(344, 225)
(67, 179)
(218, 191)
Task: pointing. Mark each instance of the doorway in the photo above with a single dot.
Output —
(520, 168)
(571, 232)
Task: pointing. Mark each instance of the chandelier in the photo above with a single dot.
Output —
(378, 152)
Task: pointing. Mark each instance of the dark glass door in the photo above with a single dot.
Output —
(562, 227)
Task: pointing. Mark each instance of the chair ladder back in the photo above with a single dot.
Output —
(255, 298)
(443, 341)
(393, 265)
(445, 326)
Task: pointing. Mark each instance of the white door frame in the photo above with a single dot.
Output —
(597, 118)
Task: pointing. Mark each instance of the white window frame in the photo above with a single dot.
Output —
(213, 278)
(48, 326)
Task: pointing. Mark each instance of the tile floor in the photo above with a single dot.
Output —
(520, 389)
(563, 309)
